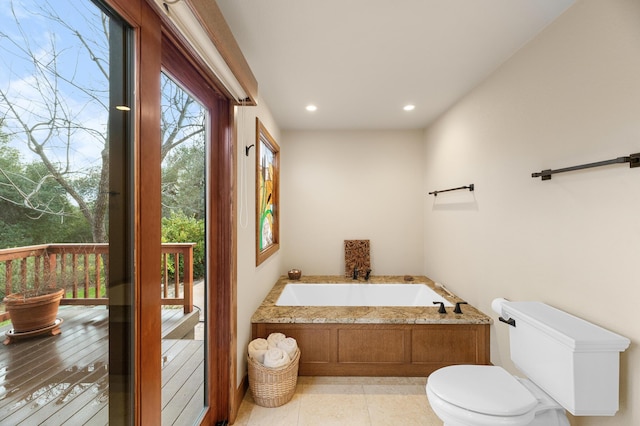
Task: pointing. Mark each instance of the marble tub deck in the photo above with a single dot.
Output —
(268, 312)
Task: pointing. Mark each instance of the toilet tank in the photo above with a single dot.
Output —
(574, 361)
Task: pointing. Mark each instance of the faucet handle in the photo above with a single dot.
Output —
(457, 309)
(441, 310)
(367, 274)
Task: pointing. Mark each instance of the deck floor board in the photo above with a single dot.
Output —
(178, 390)
(41, 387)
(64, 379)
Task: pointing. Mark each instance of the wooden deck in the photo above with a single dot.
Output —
(64, 379)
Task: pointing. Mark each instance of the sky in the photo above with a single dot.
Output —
(34, 26)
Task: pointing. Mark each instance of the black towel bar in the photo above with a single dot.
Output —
(633, 160)
(469, 187)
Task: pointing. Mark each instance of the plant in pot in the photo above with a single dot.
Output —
(34, 308)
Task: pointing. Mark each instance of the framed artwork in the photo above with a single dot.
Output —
(267, 189)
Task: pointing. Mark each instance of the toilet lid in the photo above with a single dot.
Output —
(484, 389)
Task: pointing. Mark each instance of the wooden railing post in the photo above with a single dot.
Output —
(98, 266)
(188, 279)
(23, 274)
(50, 268)
(8, 285)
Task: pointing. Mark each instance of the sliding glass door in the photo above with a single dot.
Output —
(66, 191)
(185, 129)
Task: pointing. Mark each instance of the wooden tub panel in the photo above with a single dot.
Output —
(368, 346)
(455, 345)
(382, 349)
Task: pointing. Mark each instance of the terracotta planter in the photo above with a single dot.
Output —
(33, 313)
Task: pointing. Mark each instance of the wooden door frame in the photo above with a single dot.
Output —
(149, 29)
(182, 66)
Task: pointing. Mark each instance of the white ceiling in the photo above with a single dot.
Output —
(361, 61)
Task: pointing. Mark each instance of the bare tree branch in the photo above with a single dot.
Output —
(46, 110)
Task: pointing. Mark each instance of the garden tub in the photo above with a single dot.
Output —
(337, 338)
(345, 294)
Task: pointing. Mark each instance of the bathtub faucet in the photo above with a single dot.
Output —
(356, 273)
(367, 275)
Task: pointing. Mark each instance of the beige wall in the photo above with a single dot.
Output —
(342, 185)
(569, 97)
(253, 283)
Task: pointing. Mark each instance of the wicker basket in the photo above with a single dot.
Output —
(273, 387)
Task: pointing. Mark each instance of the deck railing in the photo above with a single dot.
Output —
(82, 270)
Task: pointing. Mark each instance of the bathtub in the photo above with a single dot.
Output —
(347, 294)
(386, 327)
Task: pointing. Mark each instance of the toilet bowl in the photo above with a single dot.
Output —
(473, 395)
(568, 364)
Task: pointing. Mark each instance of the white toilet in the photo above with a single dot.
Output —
(570, 364)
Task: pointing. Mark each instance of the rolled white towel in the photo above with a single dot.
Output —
(276, 357)
(289, 345)
(257, 349)
(274, 338)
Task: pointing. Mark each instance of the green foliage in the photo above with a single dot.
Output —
(183, 181)
(179, 228)
(23, 225)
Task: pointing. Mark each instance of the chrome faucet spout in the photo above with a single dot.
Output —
(355, 272)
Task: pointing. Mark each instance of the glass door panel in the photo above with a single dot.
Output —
(184, 127)
(65, 138)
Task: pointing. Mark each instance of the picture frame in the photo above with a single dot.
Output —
(267, 194)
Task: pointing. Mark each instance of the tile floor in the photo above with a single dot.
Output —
(346, 401)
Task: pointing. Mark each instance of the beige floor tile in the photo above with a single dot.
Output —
(418, 381)
(244, 413)
(395, 390)
(332, 389)
(331, 380)
(324, 409)
(400, 402)
(350, 401)
(285, 415)
(400, 409)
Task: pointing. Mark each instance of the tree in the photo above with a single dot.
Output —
(21, 225)
(183, 166)
(46, 109)
(183, 182)
(55, 105)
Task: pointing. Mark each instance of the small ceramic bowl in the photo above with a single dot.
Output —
(294, 274)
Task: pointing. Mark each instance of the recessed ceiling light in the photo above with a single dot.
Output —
(409, 107)
(311, 108)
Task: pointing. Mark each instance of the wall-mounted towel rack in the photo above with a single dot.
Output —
(469, 187)
(633, 160)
